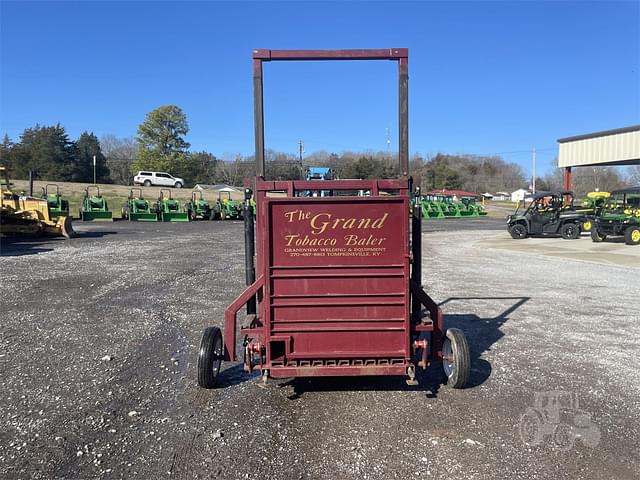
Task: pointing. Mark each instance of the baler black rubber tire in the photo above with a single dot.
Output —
(570, 231)
(518, 231)
(597, 236)
(461, 358)
(629, 234)
(210, 357)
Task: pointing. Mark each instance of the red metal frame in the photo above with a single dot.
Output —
(336, 275)
(566, 179)
(401, 55)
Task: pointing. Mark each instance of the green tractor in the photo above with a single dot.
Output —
(548, 213)
(198, 208)
(94, 207)
(58, 206)
(431, 209)
(169, 210)
(472, 207)
(138, 209)
(450, 208)
(619, 216)
(226, 207)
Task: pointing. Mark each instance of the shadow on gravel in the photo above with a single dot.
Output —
(235, 375)
(614, 240)
(481, 333)
(95, 233)
(14, 247)
(32, 245)
(429, 381)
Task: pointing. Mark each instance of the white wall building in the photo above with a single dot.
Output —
(519, 195)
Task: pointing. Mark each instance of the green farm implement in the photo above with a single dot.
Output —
(227, 208)
(58, 206)
(169, 210)
(198, 208)
(138, 209)
(94, 207)
(439, 205)
(591, 206)
(430, 208)
(472, 207)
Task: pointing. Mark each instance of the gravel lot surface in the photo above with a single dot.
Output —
(99, 337)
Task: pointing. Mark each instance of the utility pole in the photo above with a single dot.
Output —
(388, 141)
(533, 159)
(301, 146)
(94, 169)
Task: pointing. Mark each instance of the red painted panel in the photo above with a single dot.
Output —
(286, 372)
(319, 271)
(338, 278)
(338, 285)
(338, 312)
(339, 326)
(330, 300)
(357, 231)
(383, 343)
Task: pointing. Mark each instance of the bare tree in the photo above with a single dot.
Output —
(120, 154)
(588, 179)
(233, 170)
(634, 175)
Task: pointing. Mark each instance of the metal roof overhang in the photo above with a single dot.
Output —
(606, 148)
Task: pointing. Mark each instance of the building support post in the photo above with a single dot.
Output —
(566, 183)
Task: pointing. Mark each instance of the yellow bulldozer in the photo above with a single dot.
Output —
(26, 215)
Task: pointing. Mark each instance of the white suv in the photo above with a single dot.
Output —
(157, 178)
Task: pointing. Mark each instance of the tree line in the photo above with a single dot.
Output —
(160, 145)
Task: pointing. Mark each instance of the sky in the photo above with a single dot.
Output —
(485, 77)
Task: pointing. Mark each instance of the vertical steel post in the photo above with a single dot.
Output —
(416, 253)
(30, 183)
(566, 180)
(258, 113)
(249, 247)
(403, 115)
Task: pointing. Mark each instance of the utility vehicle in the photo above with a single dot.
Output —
(548, 213)
(620, 216)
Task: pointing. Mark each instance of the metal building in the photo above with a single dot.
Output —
(603, 149)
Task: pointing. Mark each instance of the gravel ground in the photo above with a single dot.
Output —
(99, 336)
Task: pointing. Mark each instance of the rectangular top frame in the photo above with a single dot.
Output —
(401, 55)
(353, 54)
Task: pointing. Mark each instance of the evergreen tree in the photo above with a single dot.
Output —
(45, 150)
(6, 151)
(198, 167)
(86, 147)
